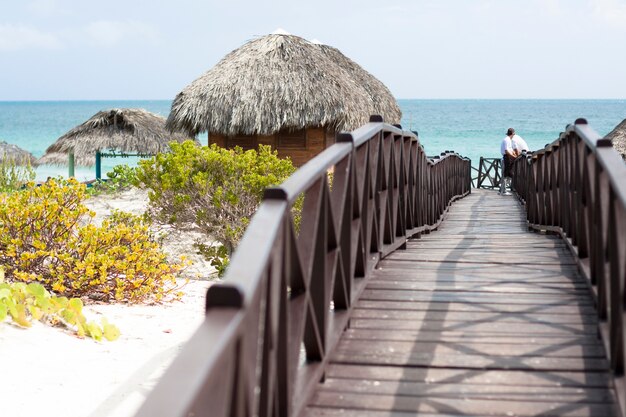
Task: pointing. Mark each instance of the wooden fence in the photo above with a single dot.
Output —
(289, 290)
(576, 187)
(489, 173)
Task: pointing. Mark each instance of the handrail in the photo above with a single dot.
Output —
(288, 292)
(576, 187)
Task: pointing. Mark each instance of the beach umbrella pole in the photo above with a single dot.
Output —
(70, 164)
(98, 165)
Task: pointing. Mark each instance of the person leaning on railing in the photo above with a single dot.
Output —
(511, 148)
(519, 144)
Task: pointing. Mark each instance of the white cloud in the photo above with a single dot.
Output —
(611, 12)
(18, 37)
(111, 32)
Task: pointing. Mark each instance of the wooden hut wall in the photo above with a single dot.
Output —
(300, 145)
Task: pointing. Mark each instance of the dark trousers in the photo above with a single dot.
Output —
(508, 165)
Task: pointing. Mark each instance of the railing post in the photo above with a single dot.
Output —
(469, 184)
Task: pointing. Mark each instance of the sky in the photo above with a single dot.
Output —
(421, 49)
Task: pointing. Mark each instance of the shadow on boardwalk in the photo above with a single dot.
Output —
(480, 317)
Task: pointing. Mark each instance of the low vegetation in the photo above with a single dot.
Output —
(24, 303)
(46, 238)
(14, 176)
(52, 257)
(122, 177)
(214, 189)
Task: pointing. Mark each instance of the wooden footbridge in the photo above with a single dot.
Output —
(398, 290)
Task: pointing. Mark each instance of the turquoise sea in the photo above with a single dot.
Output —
(473, 128)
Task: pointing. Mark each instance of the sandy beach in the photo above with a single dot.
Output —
(49, 371)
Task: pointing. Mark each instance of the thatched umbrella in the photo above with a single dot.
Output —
(618, 137)
(273, 83)
(127, 131)
(61, 159)
(13, 153)
(124, 130)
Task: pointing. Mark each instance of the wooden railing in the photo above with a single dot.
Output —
(576, 187)
(489, 173)
(289, 290)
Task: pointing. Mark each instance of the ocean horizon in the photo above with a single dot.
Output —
(471, 127)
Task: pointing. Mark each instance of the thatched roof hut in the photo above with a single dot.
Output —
(125, 130)
(13, 153)
(284, 91)
(618, 137)
(383, 102)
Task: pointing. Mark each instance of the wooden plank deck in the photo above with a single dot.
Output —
(481, 318)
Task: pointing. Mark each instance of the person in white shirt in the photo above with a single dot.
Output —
(518, 144)
(508, 156)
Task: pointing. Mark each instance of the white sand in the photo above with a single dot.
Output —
(48, 371)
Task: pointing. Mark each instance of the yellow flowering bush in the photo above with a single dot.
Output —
(46, 237)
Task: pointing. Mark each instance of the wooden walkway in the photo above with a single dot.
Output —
(478, 318)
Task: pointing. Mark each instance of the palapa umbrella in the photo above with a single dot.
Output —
(61, 159)
(279, 82)
(125, 132)
(14, 154)
(618, 138)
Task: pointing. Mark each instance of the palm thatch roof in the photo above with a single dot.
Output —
(618, 137)
(279, 82)
(383, 101)
(13, 153)
(61, 159)
(124, 130)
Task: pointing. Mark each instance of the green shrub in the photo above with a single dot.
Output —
(13, 176)
(121, 178)
(24, 303)
(214, 188)
(216, 254)
(43, 239)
